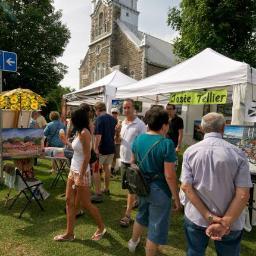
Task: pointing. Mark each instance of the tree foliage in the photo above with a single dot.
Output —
(54, 100)
(33, 30)
(227, 26)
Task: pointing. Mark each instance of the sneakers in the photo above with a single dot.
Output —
(132, 245)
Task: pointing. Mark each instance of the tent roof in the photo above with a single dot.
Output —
(107, 84)
(208, 69)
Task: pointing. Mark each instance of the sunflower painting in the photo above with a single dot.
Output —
(21, 99)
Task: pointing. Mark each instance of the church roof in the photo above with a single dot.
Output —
(159, 52)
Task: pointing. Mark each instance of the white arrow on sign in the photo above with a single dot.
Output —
(10, 62)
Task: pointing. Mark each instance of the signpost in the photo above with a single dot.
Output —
(8, 62)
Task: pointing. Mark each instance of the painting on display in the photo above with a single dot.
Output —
(119, 105)
(22, 143)
(198, 134)
(243, 137)
(225, 109)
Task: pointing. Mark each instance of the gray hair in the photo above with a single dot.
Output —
(213, 122)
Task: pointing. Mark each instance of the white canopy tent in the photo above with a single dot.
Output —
(208, 69)
(102, 90)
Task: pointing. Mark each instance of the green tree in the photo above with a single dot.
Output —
(54, 100)
(33, 30)
(227, 26)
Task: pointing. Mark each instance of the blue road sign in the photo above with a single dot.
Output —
(8, 61)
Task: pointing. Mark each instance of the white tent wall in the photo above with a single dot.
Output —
(242, 95)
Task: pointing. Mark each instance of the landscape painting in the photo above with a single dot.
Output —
(22, 143)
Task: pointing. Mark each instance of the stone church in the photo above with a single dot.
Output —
(116, 43)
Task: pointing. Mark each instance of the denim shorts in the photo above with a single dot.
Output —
(154, 213)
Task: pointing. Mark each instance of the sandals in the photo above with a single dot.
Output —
(98, 236)
(125, 221)
(63, 238)
(80, 214)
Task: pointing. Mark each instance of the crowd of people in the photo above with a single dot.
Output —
(215, 178)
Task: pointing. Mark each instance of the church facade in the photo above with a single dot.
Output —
(116, 43)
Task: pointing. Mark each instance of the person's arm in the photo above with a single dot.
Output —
(237, 206)
(44, 123)
(187, 187)
(198, 203)
(47, 130)
(171, 179)
(85, 138)
(98, 134)
(133, 161)
(235, 209)
(97, 143)
(179, 140)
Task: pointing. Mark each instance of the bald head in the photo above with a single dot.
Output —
(213, 122)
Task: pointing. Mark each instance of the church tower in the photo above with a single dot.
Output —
(117, 43)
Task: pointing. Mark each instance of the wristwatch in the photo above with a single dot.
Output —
(210, 218)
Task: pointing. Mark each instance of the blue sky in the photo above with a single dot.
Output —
(76, 15)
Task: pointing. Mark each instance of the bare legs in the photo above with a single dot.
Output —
(97, 181)
(80, 196)
(130, 203)
(151, 248)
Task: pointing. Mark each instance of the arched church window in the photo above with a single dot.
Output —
(103, 70)
(105, 27)
(98, 71)
(93, 75)
(101, 23)
(98, 49)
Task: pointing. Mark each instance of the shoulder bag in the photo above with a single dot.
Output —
(134, 178)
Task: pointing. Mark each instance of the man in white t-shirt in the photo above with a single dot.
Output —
(132, 126)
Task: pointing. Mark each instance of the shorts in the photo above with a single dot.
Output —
(74, 176)
(117, 151)
(124, 166)
(154, 213)
(106, 159)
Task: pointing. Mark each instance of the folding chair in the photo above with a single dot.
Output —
(30, 189)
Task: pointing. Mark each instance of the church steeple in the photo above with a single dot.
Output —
(129, 13)
(131, 4)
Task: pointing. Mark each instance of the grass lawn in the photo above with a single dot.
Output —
(32, 234)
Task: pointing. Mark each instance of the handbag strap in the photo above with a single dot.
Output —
(147, 153)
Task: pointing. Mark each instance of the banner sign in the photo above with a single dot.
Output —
(199, 97)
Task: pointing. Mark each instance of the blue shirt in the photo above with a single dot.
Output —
(33, 124)
(105, 126)
(153, 164)
(51, 132)
(215, 168)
